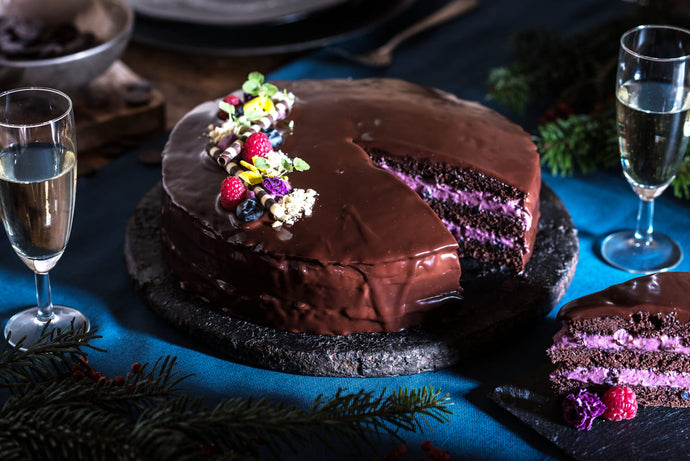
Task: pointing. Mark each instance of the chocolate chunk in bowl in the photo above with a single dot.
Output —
(64, 51)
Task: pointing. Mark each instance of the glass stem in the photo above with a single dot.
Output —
(645, 216)
(43, 297)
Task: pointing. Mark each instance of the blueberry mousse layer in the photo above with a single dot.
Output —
(635, 334)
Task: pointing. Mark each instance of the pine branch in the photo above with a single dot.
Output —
(579, 142)
(509, 87)
(681, 183)
(52, 355)
(53, 416)
(577, 72)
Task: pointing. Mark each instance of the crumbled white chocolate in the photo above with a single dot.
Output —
(275, 159)
(216, 133)
(287, 96)
(295, 205)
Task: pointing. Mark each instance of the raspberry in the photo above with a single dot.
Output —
(232, 193)
(621, 403)
(233, 101)
(256, 144)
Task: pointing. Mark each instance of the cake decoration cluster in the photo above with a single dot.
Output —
(582, 408)
(246, 144)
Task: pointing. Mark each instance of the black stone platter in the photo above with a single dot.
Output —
(495, 307)
(655, 433)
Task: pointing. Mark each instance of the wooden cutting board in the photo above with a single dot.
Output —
(117, 111)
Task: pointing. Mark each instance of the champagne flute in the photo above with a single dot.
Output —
(653, 103)
(38, 181)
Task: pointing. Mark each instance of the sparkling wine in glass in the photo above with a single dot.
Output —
(652, 111)
(38, 181)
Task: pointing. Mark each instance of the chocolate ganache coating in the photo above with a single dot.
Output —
(373, 256)
(662, 293)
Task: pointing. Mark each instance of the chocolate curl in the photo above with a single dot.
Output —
(225, 156)
(268, 202)
(264, 197)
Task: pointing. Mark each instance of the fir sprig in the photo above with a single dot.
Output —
(566, 144)
(53, 416)
(579, 72)
(53, 354)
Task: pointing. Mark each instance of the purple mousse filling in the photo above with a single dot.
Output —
(628, 377)
(477, 199)
(621, 339)
(481, 200)
(472, 233)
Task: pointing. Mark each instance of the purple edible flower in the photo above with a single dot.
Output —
(579, 410)
(276, 186)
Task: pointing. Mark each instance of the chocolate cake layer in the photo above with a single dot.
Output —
(634, 334)
(373, 256)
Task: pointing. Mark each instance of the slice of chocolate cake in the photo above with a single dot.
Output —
(635, 334)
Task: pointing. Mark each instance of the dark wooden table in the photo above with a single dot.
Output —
(185, 80)
(110, 121)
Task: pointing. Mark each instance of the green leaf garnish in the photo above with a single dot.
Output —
(227, 107)
(261, 163)
(268, 90)
(257, 77)
(255, 86)
(287, 166)
(300, 165)
(251, 87)
(254, 113)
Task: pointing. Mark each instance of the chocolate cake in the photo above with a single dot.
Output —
(410, 180)
(635, 334)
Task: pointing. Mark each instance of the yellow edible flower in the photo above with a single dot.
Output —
(258, 107)
(249, 166)
(250, 177)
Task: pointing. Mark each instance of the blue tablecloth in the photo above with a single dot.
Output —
(455, 57)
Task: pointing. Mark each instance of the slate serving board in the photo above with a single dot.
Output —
(655, 433)
(495, 308)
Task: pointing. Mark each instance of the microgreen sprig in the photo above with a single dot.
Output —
(256, 87)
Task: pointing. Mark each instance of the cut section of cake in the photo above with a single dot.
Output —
(491, 220)
(635, 334)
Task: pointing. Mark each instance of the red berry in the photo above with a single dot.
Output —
(232, 192)
(256, 144)
(620, 402)
(233, 101)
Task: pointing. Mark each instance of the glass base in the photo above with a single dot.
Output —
(621, 250)
(26, 324)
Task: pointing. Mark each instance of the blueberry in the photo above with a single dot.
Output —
(427, 193)
(685, 395)
(239, 111)
(274, 136)
(249, 210)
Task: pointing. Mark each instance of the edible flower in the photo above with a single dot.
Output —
(277, 187)
(580, 410)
